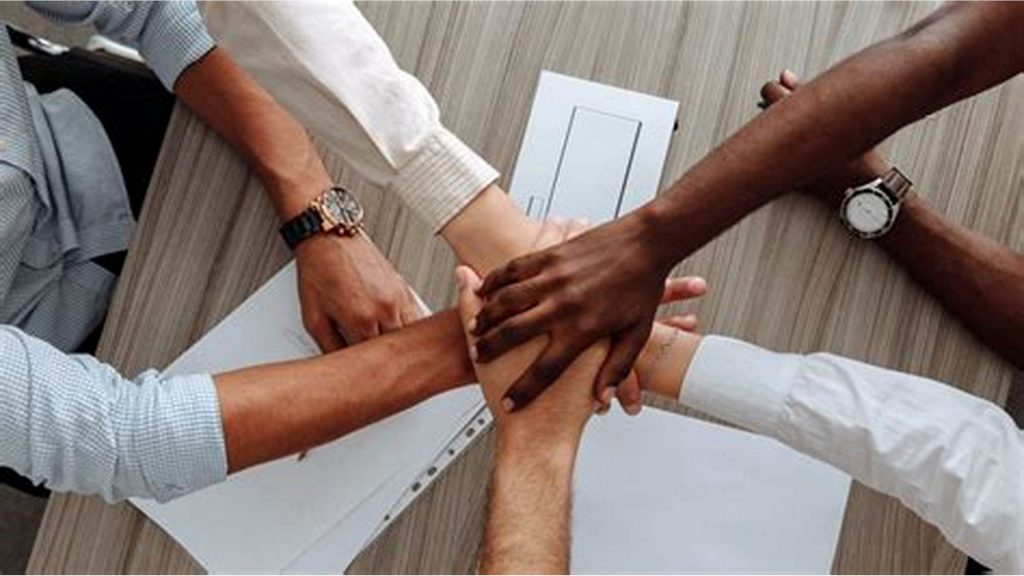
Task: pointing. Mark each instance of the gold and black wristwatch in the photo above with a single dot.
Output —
(336, 211)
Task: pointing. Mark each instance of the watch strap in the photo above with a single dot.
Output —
(896, 183)
(303, 226)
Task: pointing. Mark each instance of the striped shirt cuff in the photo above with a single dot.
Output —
(442, 179)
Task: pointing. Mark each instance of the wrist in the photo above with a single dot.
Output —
(322, 241)
(293, 191)
(913, 210)
(647, 233)
(832, 188)
(665, 360)
(490, 231)
(519, 439)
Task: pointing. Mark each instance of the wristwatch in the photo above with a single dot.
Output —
(335, 210)
(869, 211)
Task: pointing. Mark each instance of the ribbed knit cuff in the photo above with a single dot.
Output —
(442, 179)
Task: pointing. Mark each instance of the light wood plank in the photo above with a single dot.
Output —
(787, 277)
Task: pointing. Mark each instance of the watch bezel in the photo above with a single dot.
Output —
(349, 224)
(875, 188)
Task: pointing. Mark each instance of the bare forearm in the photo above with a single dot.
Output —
(958, 51)
(490, 231)
(527, 528)
(977, 279)
(272, 142)
(271, 411)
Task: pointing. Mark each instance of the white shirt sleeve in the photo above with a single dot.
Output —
(77, 425)
(954, 459)
(327, 66)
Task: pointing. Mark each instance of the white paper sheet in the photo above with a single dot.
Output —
(265, 518)
(663, 493)
(590, 150)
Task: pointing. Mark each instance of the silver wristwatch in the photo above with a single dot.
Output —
(870, 210)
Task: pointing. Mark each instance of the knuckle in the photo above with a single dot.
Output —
(587, 324)
(484, 348)
(574, 294)
(628, 395)
(620, 372)
(550, 258)
(485, 316)
(513, 269)
(561, 276)
(508, 334)
(364, 326)
(568, 306)
(506, 299)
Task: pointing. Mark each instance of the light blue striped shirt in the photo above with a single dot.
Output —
(71, 421)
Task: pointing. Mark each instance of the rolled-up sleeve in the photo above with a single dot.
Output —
(327, 66)
(169, 35)
(75, 424)
(954, 459)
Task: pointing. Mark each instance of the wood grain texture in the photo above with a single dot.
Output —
(787, 277)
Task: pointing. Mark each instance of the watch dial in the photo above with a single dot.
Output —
(868, 212)
(343, 208)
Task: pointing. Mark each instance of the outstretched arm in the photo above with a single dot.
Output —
(958, 51)
(981, 281)
(275, 410)
(954, 459)
(976, 278)
(527, 530)
(77, 425)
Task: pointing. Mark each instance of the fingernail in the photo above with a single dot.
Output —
(633, 409)
(698, 284)
(606, 396)
(596, 406)
(507, 404)
(473, 353)
(471, 326)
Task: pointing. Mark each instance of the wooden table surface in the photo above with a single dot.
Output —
(787, 277)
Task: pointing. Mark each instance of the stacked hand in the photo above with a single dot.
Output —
(604, 285)
(349, 291)
(572, 400)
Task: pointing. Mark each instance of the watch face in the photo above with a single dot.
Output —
(868, 211)
(342, 208)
